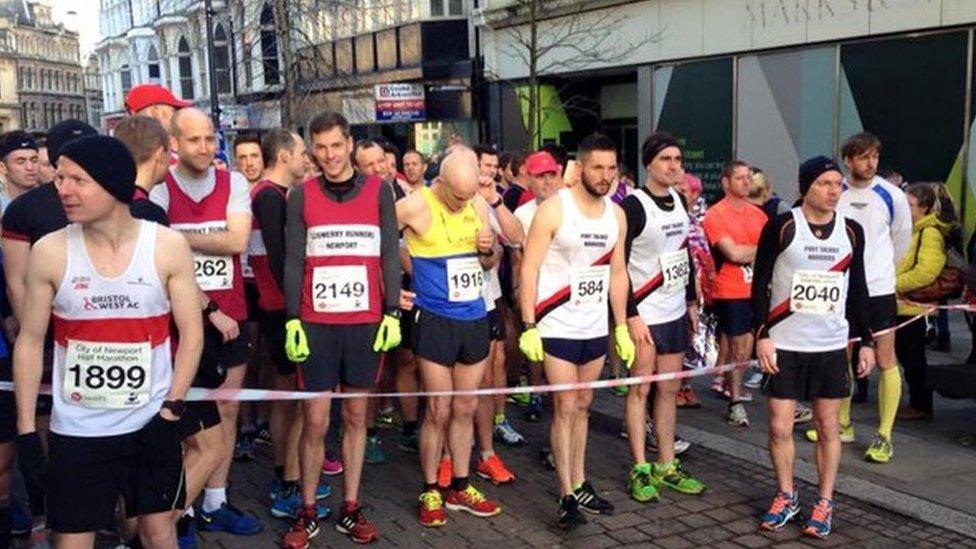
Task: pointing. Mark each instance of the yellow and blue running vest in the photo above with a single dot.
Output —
(447, 273)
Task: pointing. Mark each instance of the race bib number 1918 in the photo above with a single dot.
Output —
(465, 277)
(107, 375)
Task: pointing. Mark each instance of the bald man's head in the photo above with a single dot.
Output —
(459, 171)
(193, 139)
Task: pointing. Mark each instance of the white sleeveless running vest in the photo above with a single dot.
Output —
(112, 359)
(808, 293)
(659, 263)
(574, 279)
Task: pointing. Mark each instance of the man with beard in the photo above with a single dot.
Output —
(573, 266)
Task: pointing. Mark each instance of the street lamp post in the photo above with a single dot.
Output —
(211, 55)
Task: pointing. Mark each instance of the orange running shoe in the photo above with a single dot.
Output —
(472, 501)
(494, 470)
(305, 527)
(432, 509)
(444, 472)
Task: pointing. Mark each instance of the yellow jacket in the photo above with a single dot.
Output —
(924, 261)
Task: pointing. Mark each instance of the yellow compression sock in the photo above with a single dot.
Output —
(845, 412)
(889, 396)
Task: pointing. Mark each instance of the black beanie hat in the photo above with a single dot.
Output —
(654, 144)
(14, 141)
(61, 133)
(813, 168)
(107, 161)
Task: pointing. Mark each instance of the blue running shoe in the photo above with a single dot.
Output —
(229, 519)
(818, 526)
(244, 449)
(785, 508)
(186, 532)
(374, 453)
(323, 491)
(20, 521)
(287, 506)
(275, 488)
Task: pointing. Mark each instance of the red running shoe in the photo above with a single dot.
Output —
(471, 501)
(432, 509)
(353, 523)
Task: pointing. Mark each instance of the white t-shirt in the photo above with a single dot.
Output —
(198, 189)
(882, 210)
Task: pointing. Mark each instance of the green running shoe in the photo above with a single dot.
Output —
(846, 434)
(640, 485)
(676, 478)
(880, 450)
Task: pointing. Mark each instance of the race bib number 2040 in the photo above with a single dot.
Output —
(816, 292)
(107, 375)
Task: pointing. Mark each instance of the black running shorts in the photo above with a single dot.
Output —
(340, 355)
(87, 475)
(883, 311)
(671, 337)
(447, 341)
(809, 376)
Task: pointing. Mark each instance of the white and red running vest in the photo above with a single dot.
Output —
(574, 279)
(659, 264)
(219, 276)
(270, 296)
(808, 292)
(343, 282)
(112, 360)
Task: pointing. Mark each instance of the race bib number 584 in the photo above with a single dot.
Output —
(589, 286)
(107, 375)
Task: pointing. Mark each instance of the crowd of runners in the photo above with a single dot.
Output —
(136, 268)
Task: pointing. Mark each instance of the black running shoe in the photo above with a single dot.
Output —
(569, 513)
(546, 459)
(591, 502)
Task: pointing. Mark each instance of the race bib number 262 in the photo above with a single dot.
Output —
(213, 272)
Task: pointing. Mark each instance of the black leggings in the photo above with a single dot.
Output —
(910, 350)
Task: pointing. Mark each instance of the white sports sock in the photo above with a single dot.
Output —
(213, 498)
(188, 512)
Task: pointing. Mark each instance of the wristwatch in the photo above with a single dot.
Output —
(497, 203)
(395, 313)
(211, 308)
(177, 407)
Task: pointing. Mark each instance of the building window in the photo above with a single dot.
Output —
(153, 60)
(269, 47)
(126, 74)
(222, 59)
(186, 69)
(446, 7)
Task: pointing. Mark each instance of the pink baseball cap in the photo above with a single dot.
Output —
(541, 162)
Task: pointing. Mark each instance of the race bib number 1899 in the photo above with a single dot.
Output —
(213, 272)
(107, 375)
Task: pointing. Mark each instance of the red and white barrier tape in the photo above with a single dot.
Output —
(196, 393)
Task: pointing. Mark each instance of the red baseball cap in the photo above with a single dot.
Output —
(147, 95)
(541, 162)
